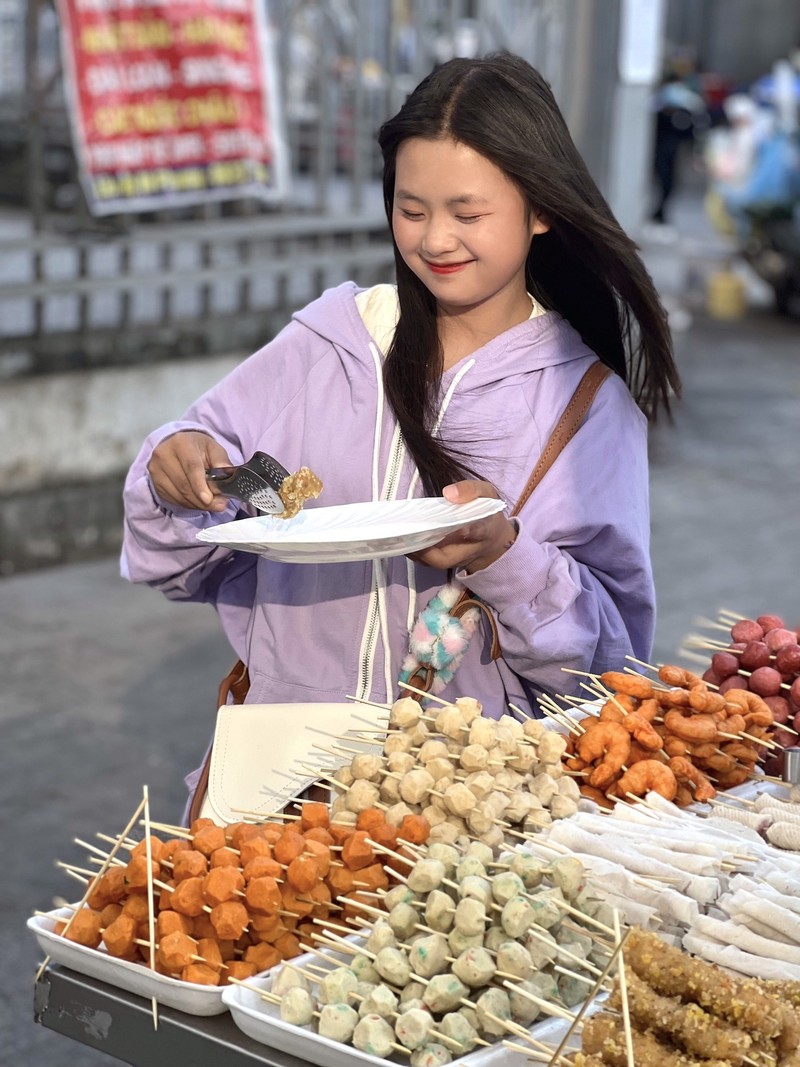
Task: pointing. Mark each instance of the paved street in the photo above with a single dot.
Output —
(107, 686)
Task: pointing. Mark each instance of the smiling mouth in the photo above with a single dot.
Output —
(447, 268)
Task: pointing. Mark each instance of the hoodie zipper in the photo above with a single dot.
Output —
(371, 631)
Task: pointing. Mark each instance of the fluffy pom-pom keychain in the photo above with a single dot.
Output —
(438, 640)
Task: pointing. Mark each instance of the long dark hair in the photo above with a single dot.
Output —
(585, 267)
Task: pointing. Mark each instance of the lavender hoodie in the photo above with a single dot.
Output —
(574, 590)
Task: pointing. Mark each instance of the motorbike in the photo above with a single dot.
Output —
(772, 248)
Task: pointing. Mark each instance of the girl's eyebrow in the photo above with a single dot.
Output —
(465, 198)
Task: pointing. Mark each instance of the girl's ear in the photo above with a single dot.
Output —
(539, 224)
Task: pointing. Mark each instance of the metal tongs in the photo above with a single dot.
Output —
(257, 482)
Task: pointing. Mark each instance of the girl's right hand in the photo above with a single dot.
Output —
(177, 470)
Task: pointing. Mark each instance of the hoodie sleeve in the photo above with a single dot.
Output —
(159, 539)
(576, 588)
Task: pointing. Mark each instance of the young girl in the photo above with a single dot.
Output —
(512, 279)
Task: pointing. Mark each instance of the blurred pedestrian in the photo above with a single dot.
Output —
(679, 111)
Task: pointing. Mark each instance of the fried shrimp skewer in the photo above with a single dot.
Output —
(687, 1025)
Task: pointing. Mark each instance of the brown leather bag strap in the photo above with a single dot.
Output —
(235, 683)
(566, 427)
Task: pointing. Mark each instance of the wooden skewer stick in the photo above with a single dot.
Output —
(151, 911)
(422, 693)
(97, 878)
(623, 995)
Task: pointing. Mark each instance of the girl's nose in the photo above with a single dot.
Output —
(438, 238)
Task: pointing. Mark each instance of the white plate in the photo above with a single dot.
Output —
(349, 532)
(134, 977)
(261, 1020)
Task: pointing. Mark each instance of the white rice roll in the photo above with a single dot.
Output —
(337, 1022)
(374, 1035)
(297, 1007)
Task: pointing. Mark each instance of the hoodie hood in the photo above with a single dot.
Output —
(545, 341)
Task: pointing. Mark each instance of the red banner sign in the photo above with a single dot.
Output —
(173, 101)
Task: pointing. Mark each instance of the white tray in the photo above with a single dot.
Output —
(134, 977)
(261, 1021)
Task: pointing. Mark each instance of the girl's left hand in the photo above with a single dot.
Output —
(476, 545)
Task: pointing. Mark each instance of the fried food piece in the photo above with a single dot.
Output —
(634, 685)
(289, 846)
(200, 974)
(687, 1025)
(136, 873)
(264, 956)
(176, 951)
(356, 853)
(314, 815)
(263, 895)
(672, 972)
(415, 829)
(678, 676)
(229, 920)
(296, 489)
(223, 857)
(238, 971)
(168, 922)
(648, 775)
(254, 847)
(685, 771)
(85, 928)
(120, 937)
(604, 1037)
(303, 874)
(262, 867)
(187, 897)
(110, 888)
(222, 883)
(189, 863)
(597, 795)
(608, 742)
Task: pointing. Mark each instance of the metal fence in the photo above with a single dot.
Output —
(210, 279)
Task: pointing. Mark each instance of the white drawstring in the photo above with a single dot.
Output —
(412, 586)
